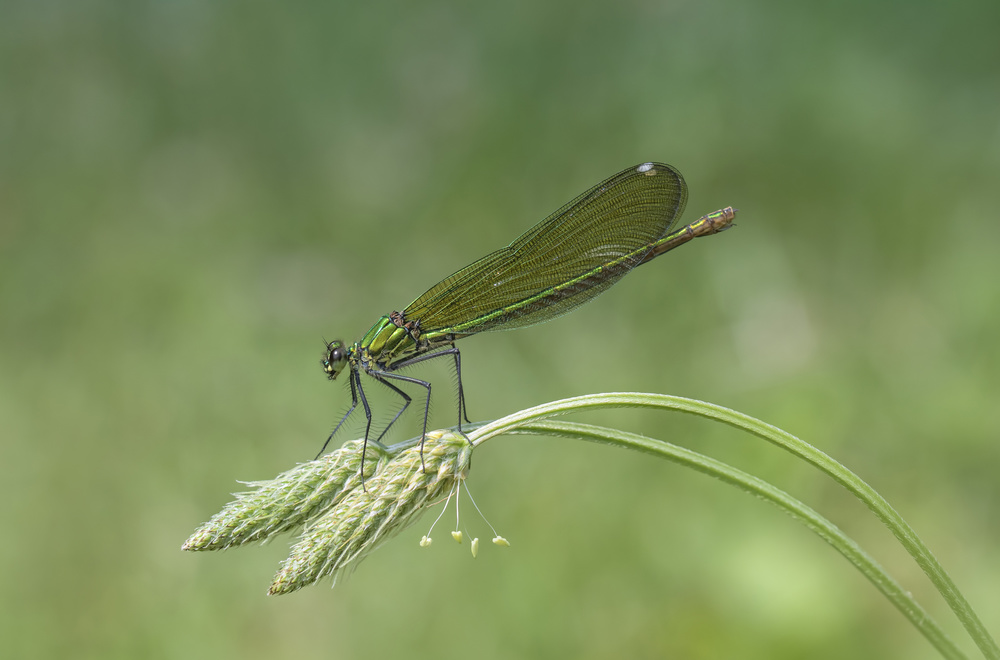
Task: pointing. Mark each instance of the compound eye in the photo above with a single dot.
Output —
(335, 359)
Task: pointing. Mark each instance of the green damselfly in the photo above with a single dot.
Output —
(560, 263)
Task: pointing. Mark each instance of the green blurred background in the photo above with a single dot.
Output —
(193, 195)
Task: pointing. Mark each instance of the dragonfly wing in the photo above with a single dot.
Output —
(544, 273)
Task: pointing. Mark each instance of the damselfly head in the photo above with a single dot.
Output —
(334, 358)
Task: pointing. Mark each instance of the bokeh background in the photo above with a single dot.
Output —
(193, 195)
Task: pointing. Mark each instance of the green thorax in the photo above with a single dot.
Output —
(386, 341)
(394, 338)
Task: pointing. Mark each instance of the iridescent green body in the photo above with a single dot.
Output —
(564, 261)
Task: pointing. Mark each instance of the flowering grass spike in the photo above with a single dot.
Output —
(394, 496)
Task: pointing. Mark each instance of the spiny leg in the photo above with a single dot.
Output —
(354, 404)
(406, 403)
(458, 373)
(380, 375)
(368, 413)
(462, 411)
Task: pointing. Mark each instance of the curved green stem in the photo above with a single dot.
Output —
(854, 484)
(755, 486)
